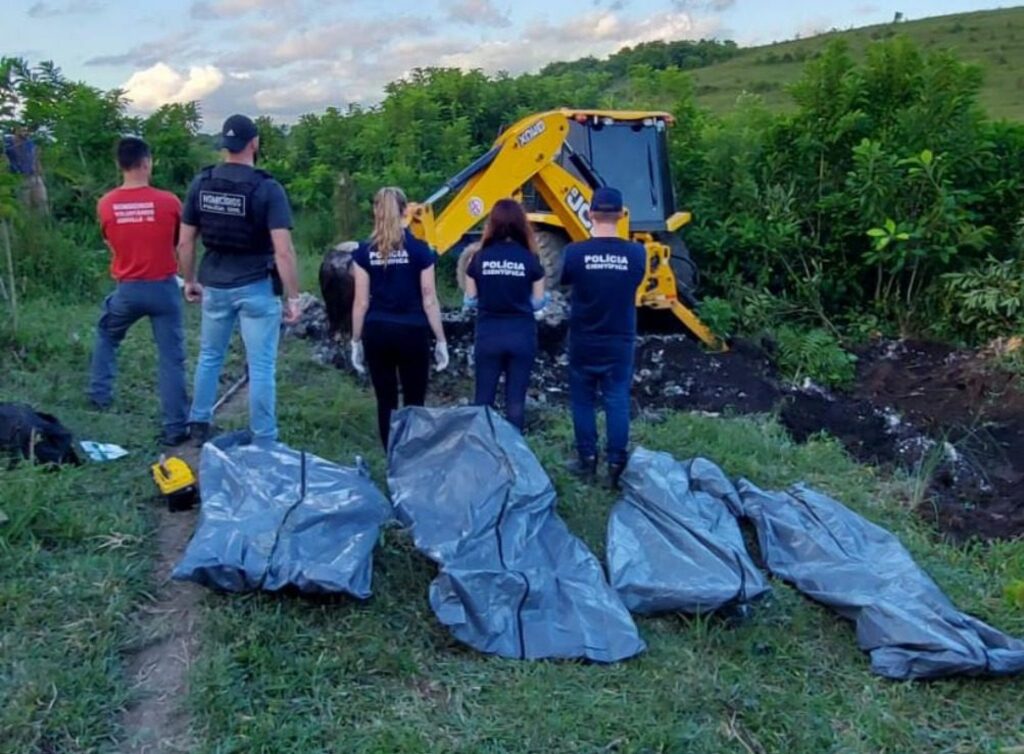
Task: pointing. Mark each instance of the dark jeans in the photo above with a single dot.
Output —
(611, 374)
(396, 354)
(160, 300)
(508, 349)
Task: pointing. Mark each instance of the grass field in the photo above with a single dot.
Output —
(279, 674)
(992, 39)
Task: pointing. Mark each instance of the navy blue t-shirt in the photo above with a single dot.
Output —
(270, 203)
(604, 274)
(504, 273)
(395, 293)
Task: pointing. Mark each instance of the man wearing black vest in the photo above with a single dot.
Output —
(244, 219)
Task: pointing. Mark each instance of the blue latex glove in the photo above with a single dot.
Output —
(469, 303)
(541, 303)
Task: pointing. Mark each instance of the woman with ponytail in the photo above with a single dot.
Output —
(395, 310)
(505, 283)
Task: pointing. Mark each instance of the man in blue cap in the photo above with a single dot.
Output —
(604, 272)
(244, 219)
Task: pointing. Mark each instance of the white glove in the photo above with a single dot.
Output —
(441, 358)
(358, 357)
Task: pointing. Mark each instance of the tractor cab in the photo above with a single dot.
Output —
(626, 150)
(630, 152)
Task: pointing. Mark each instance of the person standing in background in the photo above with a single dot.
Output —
(505, 283)
(604, 272)
(244, 219)
(395, 309)
(23, 159)
(140, 225)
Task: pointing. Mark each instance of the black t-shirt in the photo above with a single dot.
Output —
(504, 273)
(270, 203)
(395, 293)
(604, 274)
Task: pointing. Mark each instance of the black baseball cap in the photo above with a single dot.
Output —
(607, 199)
(237, 132)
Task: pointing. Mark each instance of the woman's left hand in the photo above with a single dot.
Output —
(441, 358)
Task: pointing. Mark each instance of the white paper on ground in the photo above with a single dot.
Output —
(102, 451)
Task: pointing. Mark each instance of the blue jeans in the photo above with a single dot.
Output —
(160, 300)
(258, 312)
(613, 378)
(510, 349)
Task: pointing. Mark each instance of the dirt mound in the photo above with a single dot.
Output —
(942, 413)
(858, 424)
(960, 397)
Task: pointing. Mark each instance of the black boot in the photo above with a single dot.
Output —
(201, 432)
(584, 467)
(615, 474)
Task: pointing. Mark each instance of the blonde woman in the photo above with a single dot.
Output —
(395, 310)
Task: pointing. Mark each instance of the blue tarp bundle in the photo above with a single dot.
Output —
(513, 580)
(275, 518)
(863, 572)
(674, 544)
(673, 540)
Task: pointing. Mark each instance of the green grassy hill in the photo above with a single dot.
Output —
(993, 39)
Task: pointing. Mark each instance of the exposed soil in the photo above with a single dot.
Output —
(946, 414)
(960, 397)
(157, 722)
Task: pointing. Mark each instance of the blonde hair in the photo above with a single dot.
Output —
(388, 213)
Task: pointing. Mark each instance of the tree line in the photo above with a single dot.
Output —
(884, 198)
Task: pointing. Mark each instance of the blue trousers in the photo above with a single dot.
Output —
(258, 313)
(611, 375)
(160, 301)
(509, 350)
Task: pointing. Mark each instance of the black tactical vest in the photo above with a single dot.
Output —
(228, 220)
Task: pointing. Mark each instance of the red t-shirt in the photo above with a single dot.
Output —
(141, 226)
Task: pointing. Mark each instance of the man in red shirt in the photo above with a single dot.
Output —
(140, 225)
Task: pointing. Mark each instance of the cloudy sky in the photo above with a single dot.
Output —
(286, 57)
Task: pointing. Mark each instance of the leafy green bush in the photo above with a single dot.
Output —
(987, 301)
(719, 315)
(68, 260)
(814, 354)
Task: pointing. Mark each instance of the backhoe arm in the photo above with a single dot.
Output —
(524, 153)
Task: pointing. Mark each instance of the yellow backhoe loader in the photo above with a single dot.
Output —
(552, 162)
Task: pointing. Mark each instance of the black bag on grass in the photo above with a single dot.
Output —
(35, 436)
(513, 580)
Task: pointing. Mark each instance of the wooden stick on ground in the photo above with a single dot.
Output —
(12, 294)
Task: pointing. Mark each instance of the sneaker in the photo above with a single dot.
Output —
(174, 440)
(583, 467)
(615, 474)
(201, 432)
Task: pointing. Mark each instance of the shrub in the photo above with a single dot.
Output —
(719, 315)
(988, 301)
(815, 355)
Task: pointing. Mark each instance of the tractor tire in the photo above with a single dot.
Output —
(551, 250)
(463, 264)
(683, 268)
(337, 286)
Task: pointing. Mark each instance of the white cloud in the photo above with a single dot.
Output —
(477, 13)
(230, 8)
(43, 9)
(160, 84)
(346, 64)
(599, 35)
